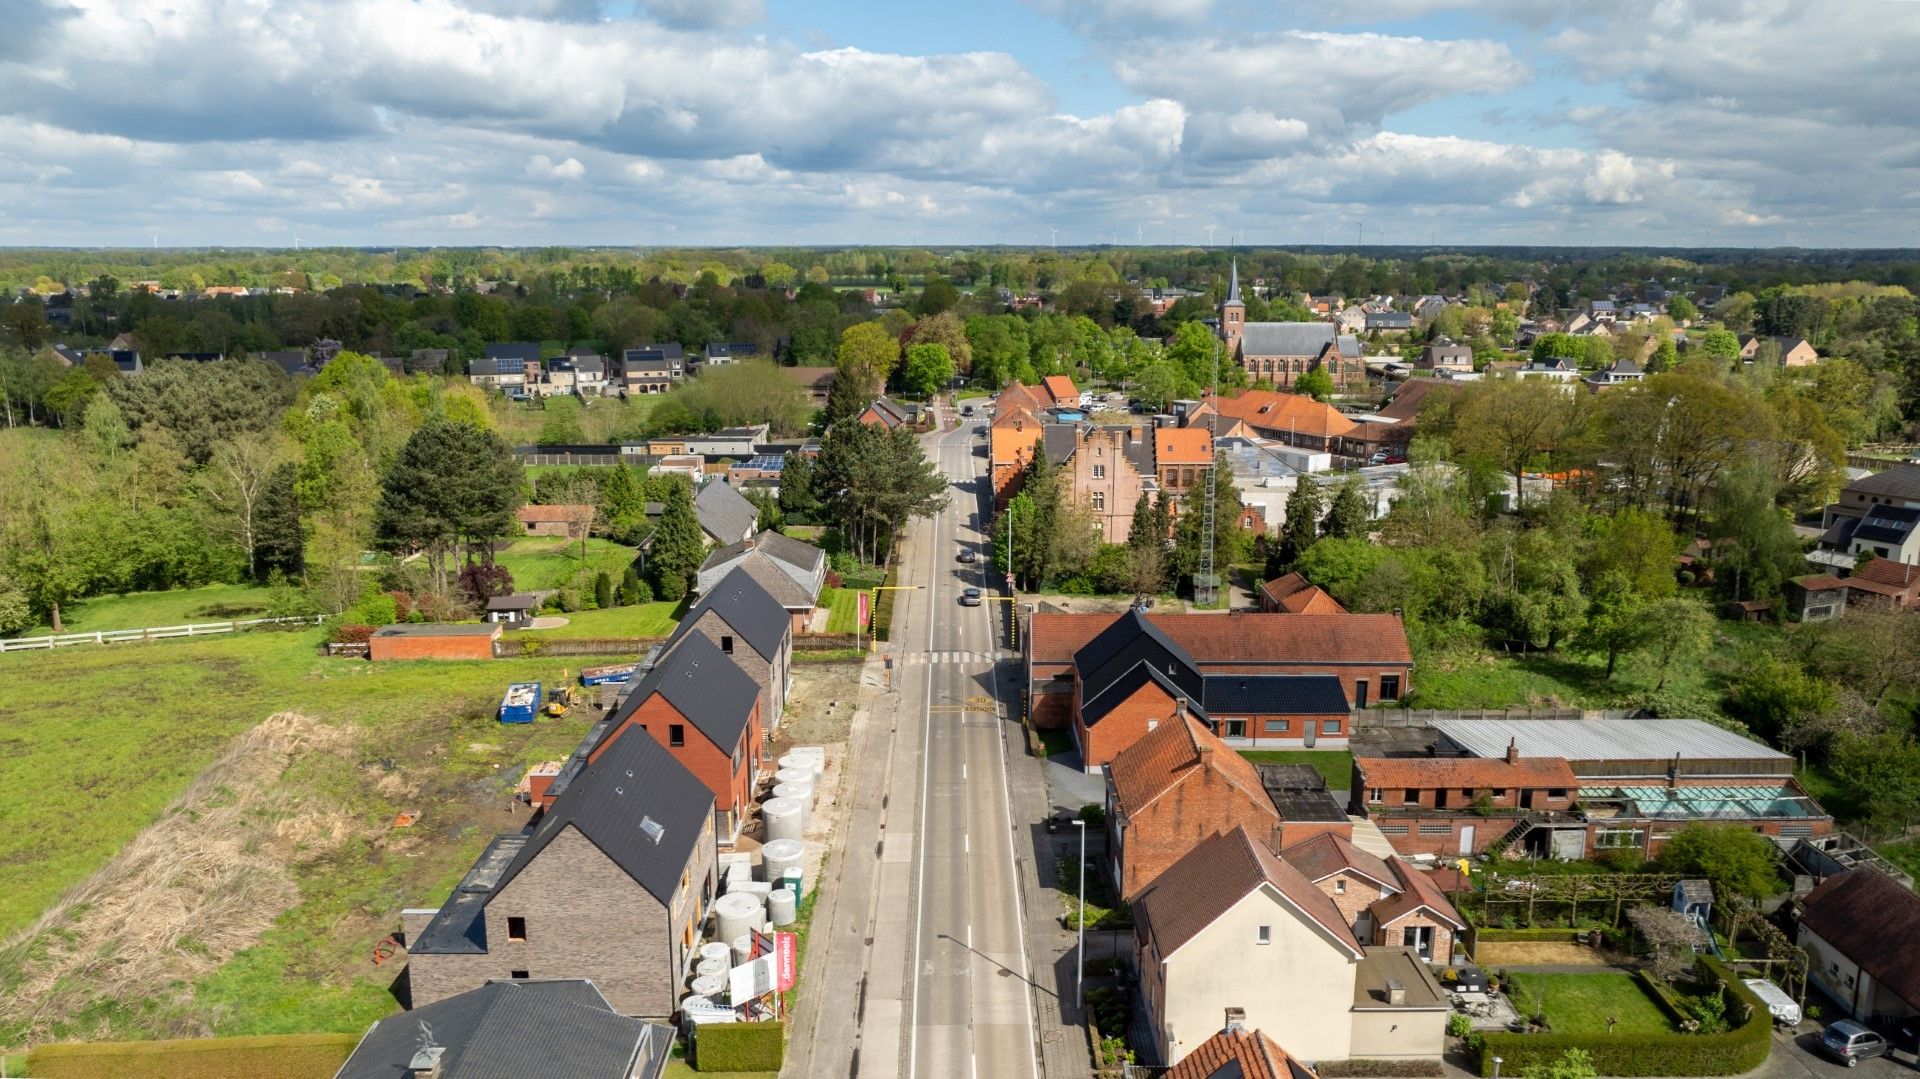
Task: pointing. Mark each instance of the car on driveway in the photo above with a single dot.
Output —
(1850, 1043)
(970, 597)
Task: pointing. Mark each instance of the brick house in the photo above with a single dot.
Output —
(430, 640)
(1133, 676)
(1457, 805)
(1387, 902)
(1172, 789)
(1060, 390)
(726, 516)
(750, 627)
(610, 884)
(1292, 418)
(1107, 470)
(706, 712)
(1012, 442)
(650, 369)
(1291, 593)
(1367, 653)
(569, 521)
(1885, 582)
(1181, 457)
(1239, 1053)
(792, 572)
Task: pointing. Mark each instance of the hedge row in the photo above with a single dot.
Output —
(739, 1047)
(1381, 1069)
(279, 1056)
(1735, 1052)
(1558, 935)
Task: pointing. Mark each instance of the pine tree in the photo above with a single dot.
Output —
(797, 498)
(1348, 516)
(452, 485)
(279, 543)
(678, 545)
(1301, 528)
(630, 586)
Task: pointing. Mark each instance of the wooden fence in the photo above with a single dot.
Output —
(153, 633)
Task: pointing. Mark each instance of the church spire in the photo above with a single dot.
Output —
(1233, 286)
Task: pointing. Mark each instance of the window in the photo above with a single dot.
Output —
(1277, 726)
(1340, 886)
(1330, 726)
(726, 645)
(1236, 728)
(1264, 935)
(1374, 794)
(517, 975)
(1099, 472)
(1410, 797)
(1436, 829)
(1616, 838)
(517, 929)
(1389, 687)
(1556, 792)
(1099, 500)
(676, 734)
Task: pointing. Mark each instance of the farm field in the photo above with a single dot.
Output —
(109, 737)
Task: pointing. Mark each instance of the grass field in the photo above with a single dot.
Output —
(1582, 1003)
(140, 610)
(639, 620)
(542, 562)
(107, 737)
(1335, 765)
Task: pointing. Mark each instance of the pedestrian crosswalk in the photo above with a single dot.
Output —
(924, 658)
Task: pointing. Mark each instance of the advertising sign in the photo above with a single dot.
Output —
(786, 949)
(750, 980)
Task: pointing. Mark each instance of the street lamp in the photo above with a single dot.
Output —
(1080, 920)
(1497, 1061)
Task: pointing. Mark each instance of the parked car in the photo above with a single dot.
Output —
(968, 556)
(1783, 1008)
(970, 598)
(1850, 1043)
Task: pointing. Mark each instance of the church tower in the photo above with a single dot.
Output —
(1233, 315)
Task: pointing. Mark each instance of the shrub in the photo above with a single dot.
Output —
(603, 590)
(1383, 1069)
(402, 606)
(634, 589)
(351, 633)
(1458, 1025)
(567, 600)
(740, 1047)
(1094, 814)
(375, 610)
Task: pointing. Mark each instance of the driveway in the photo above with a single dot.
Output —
(1794, 1057)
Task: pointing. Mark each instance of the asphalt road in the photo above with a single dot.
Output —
(969, 1002)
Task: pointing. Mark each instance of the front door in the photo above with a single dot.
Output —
(1466, 839)
(1360, 693)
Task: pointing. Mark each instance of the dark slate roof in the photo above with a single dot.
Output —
(459, 928)
(634, 781)
(724, 512)
(1887, 524)
(1121, 688)
(1869, 918)
(1273, 694)
(507, 1029)
(1139, 453)
(1900, 481)
(1107, 665)
(1287, 338)
(1059, 440)
(518, 601)
(1389, 320)
(289, 360)
(742, 604)
(513, 350)
(489, 365)
(1233, 286)
(702, 684)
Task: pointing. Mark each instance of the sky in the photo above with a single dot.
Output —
(762, 122)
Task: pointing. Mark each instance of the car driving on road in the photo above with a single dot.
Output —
(970, 597)
(968, 556)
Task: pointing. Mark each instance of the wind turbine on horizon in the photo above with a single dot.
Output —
(1053, 236)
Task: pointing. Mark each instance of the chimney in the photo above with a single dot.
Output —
(426, 1063)
(1513, 751)
(1396, 991)
(1236, 1020)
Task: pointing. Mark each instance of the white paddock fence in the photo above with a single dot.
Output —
(152, 633)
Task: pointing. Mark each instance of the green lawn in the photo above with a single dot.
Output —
(543, 562)
(106, 737)
(640, 620)
(1905, 854)
(844, 605)
(1582, 1003)
(1336, 765)
(140, 610)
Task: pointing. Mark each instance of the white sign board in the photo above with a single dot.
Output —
(752, 979)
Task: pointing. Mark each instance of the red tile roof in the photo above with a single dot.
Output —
(1239, 1054)
(1419, 891)
(1894, 576)
(1168, 755)
(1285, 585)
(1873, 921)
(554, 514)
(1427, 773)
(1323, 855)
(1061, 389)
(1220, 872)
(1240, 639)
(1273, 411)
(1182, 446)
(1311, 600)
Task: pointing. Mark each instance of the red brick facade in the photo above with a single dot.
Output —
(728, 771)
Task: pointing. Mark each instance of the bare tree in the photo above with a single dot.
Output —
(1670, 939)
(234, 484)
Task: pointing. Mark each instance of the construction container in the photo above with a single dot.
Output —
(736, 913)
(786, 818)
(610, 673)
(782, 906)
(521, 703)
(796, 879)
(780, 855)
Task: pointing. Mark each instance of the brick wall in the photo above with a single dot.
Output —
(585, 918)
(1201, 805)
(1393, 934)
(1126, 724)
(417, 646)
(769, 675)
(730, 781)
(1359, 893)
(1112, 492)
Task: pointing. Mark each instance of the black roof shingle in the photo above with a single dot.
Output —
(702, 684)
(742, 604)
(506, 1029)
